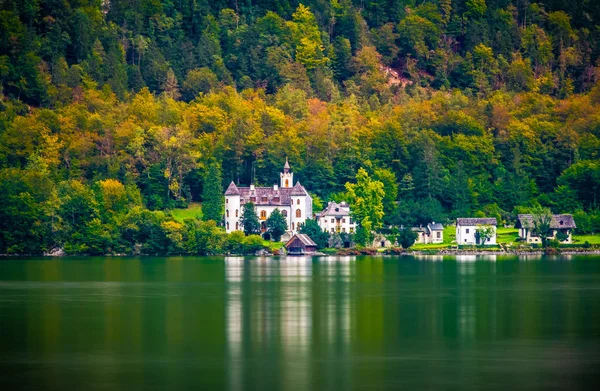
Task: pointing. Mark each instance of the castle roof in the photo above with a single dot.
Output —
(232, 189)
(299, 190)
(287, 165)
(281, 196)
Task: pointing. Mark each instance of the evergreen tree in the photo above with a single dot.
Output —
(212, 194)
(276, 225)
(312, 229)
(249, 219)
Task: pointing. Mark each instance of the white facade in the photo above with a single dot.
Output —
(293, 202)
(466, 231)
(336, 218)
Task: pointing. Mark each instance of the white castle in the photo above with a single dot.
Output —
(293, 202)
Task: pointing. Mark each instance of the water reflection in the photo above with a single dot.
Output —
(299, 323)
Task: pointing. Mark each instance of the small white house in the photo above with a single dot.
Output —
(468, 231)
(336, 218)
(431, 233)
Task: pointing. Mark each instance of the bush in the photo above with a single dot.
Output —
(252, 244)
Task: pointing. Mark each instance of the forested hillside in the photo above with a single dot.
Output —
(112, 111)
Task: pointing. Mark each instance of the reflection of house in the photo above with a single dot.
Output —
(467, 230)
(293, 202)
(300, 244)
(560, 225)
(336, 218)
(431, 233)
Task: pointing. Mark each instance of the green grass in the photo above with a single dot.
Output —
(194, 210)
(272, 245)
(581, 239)
(507, 235)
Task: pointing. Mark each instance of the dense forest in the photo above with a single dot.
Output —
(113, 112)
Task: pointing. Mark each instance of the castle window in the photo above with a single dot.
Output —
(228, 226)
(298, 213)
(226, 200)
(284, 213)
(344, 221)
(276, 199)
(333, 220)
(292, 226)
(237, 226)
(298, 201)
(263, 199)
(252, 199)
(227, 212)
(236, 213)
(263, 214)
(287, 183)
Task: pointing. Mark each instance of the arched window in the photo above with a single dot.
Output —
(292, 226)
(227, 212)
(236, 213)
(237, 225)
(228, 226)
(284, 213)
(298, 201)
(263, 214)
(298, 213)
(287, 183)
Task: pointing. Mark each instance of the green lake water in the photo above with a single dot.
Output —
(330, 323)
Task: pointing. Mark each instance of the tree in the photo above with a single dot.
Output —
(249, 219)
(484, 232)
(407, 237)
(312, 229)
(366, 202)
(541, 224)
(276, 225)
(212, 194)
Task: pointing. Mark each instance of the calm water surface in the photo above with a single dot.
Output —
(300, 323)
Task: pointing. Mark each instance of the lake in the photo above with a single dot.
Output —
(467, 322)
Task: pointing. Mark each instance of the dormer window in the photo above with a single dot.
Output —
(263, 199)
(275, 199)
(337, 209)
(252, 199)
(561, 222)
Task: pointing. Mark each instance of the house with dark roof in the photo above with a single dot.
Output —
(293, 201)
(336, 218)
(431, 233)
(468, 231)
(561, 227)
(300, 244)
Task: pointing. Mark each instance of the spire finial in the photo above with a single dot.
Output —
(286, 167)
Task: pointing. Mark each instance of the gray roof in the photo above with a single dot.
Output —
(303, 238)
(335, 209)
(564, 221)
(279, 197)
(476, 221)
(435, 227)
(232, 189)
(299, 190)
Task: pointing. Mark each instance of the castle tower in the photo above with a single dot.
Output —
(287, 177)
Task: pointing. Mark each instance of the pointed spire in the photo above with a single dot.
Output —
(232, 189)
(286, 167)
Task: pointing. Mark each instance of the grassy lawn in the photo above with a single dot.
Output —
(194, 210)
(581, 239)
(507, 235)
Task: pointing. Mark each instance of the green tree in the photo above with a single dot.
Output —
(541, 224)
(312, 229)
(213, 203)
(484, 232)
(366, 202)
(276, 225)
(407, 237)
(249, 219)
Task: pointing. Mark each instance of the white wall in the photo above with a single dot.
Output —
(465, 235)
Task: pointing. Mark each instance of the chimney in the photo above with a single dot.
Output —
(251, 187)
(275, 187)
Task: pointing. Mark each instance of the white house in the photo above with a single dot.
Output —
(431, 233)
(466, 230)
(564, 224)
(293, 202)
(336, 218)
